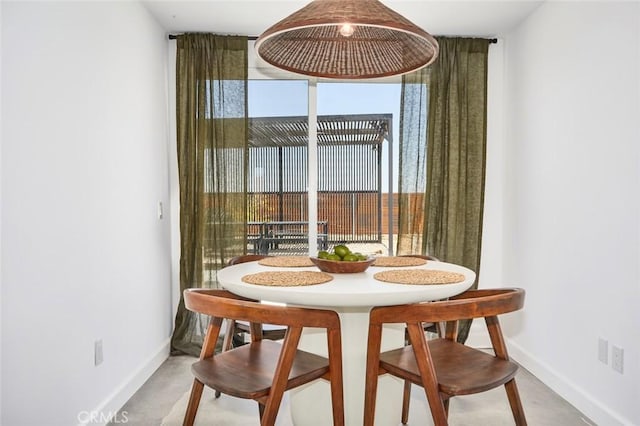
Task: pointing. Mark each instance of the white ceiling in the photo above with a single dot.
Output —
(251, 17)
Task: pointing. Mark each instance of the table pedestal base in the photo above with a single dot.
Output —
(311, 404)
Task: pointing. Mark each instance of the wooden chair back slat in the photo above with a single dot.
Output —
(222, 303)
(246, 258)
(475, 304)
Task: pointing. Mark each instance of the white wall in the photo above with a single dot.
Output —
(572, 200)
(1, 314)
(84, 165)
(491, 260)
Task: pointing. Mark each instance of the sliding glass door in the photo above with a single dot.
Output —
(321, 166)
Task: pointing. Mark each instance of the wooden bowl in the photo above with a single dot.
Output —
(342, 267)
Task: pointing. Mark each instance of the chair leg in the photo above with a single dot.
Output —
(372, 373)
(334, 343)
(261, 409)
(428, 374)
(194, 401)
(515, 403)
(228, 341)
(445, 403)
(228, 335)
(280, 375)
(406, 396)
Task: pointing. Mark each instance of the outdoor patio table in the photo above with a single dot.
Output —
(352, 296)
(291, 235)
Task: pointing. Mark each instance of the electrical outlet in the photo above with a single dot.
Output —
(98, 356)
(603, 350)
(617, 359)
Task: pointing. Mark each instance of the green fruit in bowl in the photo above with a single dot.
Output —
(341, 250)
(342, 253)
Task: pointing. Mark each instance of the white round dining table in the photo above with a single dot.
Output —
(352, 296)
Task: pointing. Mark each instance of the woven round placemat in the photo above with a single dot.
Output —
(286, 261)
(419, 276)
(394, 261)
(287, 278)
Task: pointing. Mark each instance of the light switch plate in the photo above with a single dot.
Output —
(98, 355)
(603, 351)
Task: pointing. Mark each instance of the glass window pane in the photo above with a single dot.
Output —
(277, 171)
(357, 123)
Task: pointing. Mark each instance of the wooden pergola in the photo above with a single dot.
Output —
(349, 144)
(356, 129)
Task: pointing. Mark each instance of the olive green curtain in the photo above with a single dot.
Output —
(447, 156)
(211, 104)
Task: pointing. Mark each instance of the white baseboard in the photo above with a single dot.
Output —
(572, 393)
(587, 404)
(106, 411)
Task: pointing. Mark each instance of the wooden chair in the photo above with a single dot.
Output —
(263, 369)
(443, 367)
(421, 256)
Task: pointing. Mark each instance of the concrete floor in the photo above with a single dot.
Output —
(543, 407)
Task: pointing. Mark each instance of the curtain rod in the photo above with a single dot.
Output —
(174, 36)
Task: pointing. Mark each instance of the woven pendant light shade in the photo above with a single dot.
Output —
(377, 42)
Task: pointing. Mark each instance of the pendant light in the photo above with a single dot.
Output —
(347, 39)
